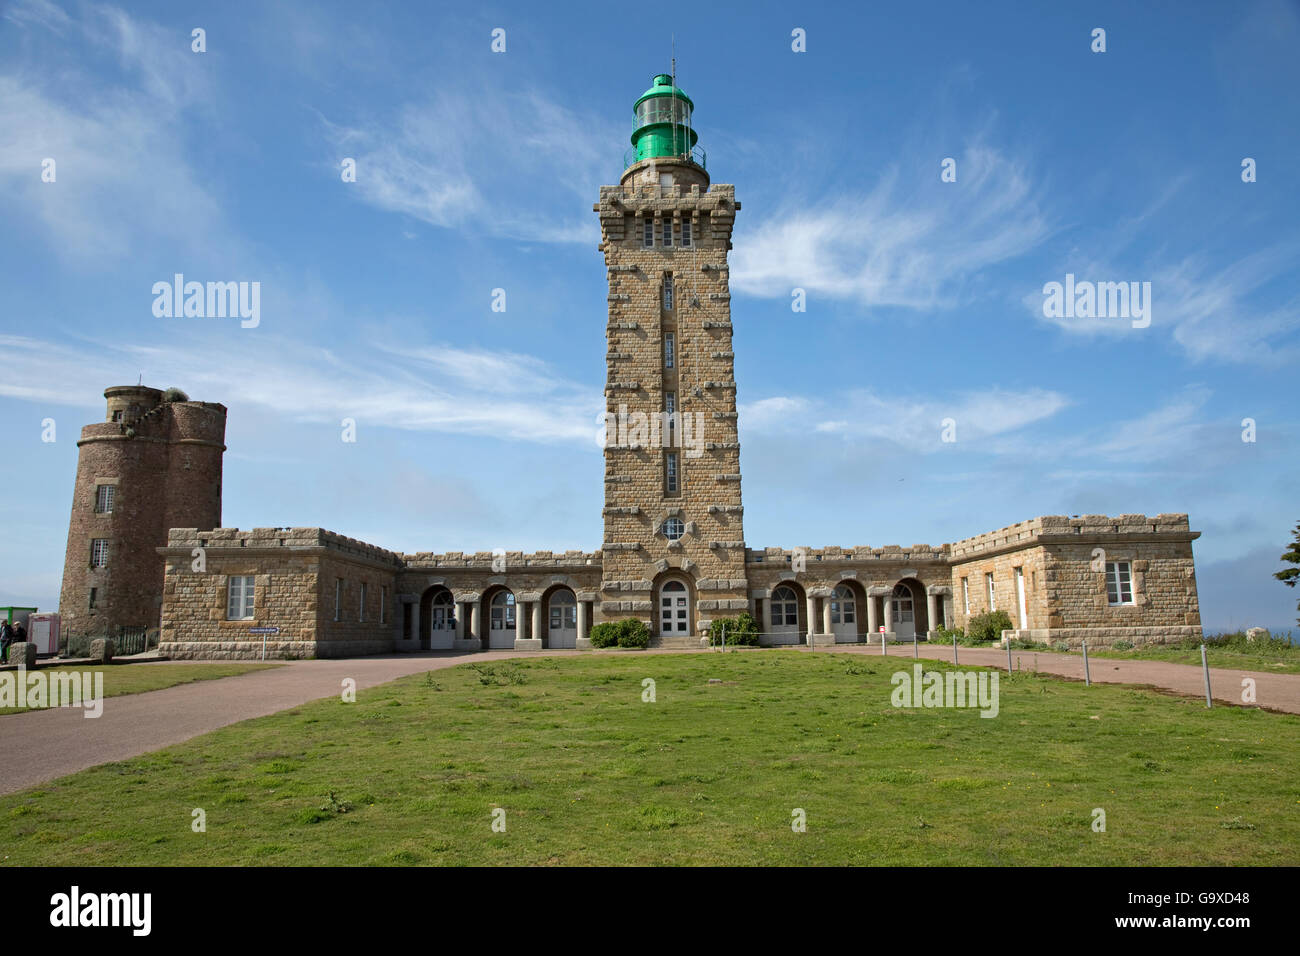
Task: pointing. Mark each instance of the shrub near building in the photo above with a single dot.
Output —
(627, 633)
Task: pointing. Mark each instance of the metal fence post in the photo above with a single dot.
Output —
(1206, 668)
(1087, 675)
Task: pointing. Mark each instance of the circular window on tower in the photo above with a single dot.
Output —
(673, 529)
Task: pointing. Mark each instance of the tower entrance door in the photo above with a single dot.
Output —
(904, 614)
(674, 610)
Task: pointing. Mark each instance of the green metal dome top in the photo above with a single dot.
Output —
(663, 124)
(663, 86)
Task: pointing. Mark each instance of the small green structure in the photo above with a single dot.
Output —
(663, 125)
(14, 613)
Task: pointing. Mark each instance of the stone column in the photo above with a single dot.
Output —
(582, 619)
(460, 620)
(812, 618)
(932, 609)
(889, 614)
(476, 620)
(826, 615)
(537, 621)
(872, 617)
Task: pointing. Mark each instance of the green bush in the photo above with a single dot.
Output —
(946, 635)
(740, 630)
(605, 635)
(633, 633)
(989, 625)
(1122, 646)
(174, 394)
(629, 633)
(1061, 646)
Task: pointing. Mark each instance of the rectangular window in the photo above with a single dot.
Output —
(670, 349)
(99, 553)
(338, 599)
(104, 499)
(965, 594)
(670, 477)
(988, 578)
(383, 604)
(686, 230)
(668, 293)
(94, 594)
(361, 612)
(649, 233)
(239, 597)
(117, 415)
(1119, 582)
(668, 233)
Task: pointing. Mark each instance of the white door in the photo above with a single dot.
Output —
(563, 621)
(1020, 598)
(783, 617)
(844, 616)
(442, 623)
(674, 610)
(501, 622)
(904, 619)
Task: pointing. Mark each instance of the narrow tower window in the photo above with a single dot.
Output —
(99, 553)
(649, 232)
(338, 599)
(670, 347)
(104, 499)
(686, 230)
(670, 473)
(361, 613)
(668, 233)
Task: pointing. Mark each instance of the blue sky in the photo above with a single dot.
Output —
(477, 170)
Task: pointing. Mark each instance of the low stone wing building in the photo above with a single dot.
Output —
(674, 552)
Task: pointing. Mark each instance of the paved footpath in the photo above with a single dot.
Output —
(1279, 692)
(43, 745)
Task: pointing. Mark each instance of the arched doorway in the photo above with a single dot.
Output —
(904, 612)
(844, 615)
(562, 619)
(442, 621)
(501, 620)
(674, 609)
(783, 615)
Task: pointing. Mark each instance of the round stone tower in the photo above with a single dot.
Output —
(153, 464)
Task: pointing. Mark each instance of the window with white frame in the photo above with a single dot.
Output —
(671, 483)
(668, 294)
(239, 597)
(670, 348)
(649, 233)
(104, 499)
(338, 599)
(673, 529)
(99, 553)
(785, 607)
(988, 580)
(965, 594)
(668, 233)
(1119, 582)
(686, 230)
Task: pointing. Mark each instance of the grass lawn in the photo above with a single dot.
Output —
(709, 773)
(137, 678)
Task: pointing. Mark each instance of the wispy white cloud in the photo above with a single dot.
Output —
(914, 423)
(500, 394)
(470, 158)
(909, 246)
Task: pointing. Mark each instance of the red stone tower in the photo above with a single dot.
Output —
(153, 464)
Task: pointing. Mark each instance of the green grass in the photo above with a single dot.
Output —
(708, 774)
(137, 678)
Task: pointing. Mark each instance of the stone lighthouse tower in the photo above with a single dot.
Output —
(674, 548)
(154, 463)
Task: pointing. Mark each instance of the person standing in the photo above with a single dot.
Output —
(6, 638)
